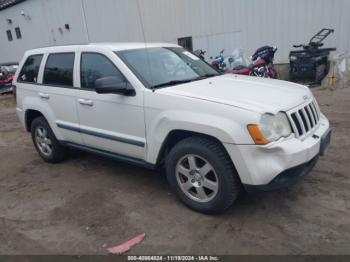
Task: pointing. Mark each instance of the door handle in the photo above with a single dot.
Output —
(85, 102)
(44, 96)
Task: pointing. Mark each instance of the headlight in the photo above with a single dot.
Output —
(271, 128)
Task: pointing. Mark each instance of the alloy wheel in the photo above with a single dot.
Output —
(43, 141)
(197, 178)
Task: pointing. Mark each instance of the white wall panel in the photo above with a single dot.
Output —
(113, 20)
(273, 22)
(41, 26)
(214, 43)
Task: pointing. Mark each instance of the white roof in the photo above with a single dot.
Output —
(99, 46)
(127, 46)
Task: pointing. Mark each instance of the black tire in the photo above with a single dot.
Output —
(58, 153)
(229, 185)
(320, 73)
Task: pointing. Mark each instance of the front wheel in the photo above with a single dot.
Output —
(202, 175)
(259, 72)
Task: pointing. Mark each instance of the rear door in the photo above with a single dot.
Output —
(58, 94)
(27, 79)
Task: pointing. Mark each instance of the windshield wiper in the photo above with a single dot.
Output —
(173, 82)
(177, 82)
(206, 76)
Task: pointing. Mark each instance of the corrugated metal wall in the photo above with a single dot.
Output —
(257, 22)
(40, 26)
(273, 22)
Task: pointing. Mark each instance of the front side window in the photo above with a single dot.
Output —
(95, 66)
(59, 70)
(30, 69)
(160, 67)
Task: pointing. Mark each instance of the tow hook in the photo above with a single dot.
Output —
(316, 136)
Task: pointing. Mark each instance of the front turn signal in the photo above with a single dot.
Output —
(255, 133)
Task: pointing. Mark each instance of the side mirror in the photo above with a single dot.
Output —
(113, 85)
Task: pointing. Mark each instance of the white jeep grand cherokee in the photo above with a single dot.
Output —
(163, 106)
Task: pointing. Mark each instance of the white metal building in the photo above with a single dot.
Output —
(212, 24)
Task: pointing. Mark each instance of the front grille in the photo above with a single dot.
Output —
(305, 119)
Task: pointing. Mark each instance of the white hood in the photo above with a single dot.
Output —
(257, 94)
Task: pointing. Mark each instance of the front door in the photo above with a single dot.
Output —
(109, 122)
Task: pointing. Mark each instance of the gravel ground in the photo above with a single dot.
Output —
(87, 203)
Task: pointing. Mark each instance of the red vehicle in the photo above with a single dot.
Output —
(7, 72)
(262, 65)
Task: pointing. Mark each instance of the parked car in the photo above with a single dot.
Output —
(162, 106)
(7, 71)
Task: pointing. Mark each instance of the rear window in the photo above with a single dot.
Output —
(59, 70)
(30, 69)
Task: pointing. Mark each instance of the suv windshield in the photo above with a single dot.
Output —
(161, 67)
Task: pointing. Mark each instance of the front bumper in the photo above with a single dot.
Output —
(277, 165)
(285, 179)
(293, 175)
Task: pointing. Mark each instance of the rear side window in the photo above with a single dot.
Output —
(59, 70)
(30, 69)
(95, 66)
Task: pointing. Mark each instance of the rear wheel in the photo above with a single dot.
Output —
(45, 141)
(320, 73)
(202, 175)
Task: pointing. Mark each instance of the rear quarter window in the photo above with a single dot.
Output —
(30, 69)
(59, 70)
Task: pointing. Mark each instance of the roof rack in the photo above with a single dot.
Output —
(320, 36)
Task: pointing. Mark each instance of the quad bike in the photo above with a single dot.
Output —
(311, 63)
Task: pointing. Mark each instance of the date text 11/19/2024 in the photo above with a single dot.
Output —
(173, 258)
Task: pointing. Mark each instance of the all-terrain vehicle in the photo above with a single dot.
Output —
(311, 63)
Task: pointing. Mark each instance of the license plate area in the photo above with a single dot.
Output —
(325, 142)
